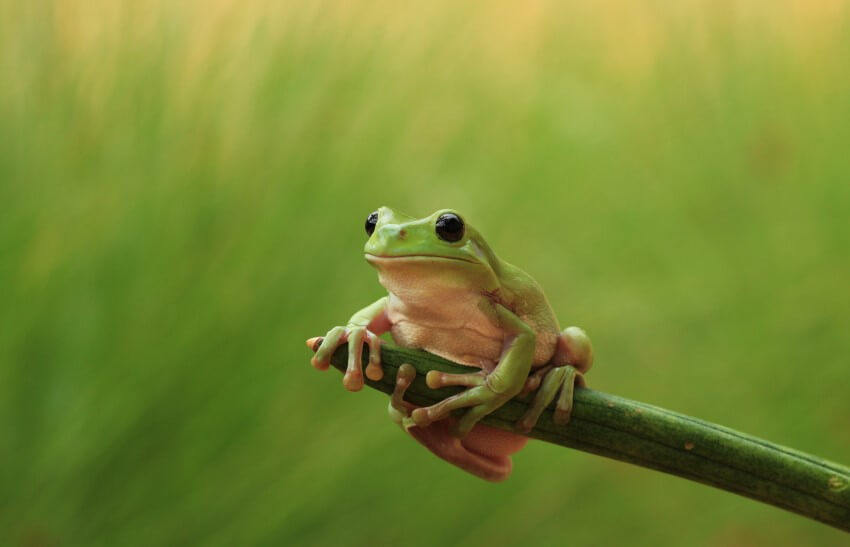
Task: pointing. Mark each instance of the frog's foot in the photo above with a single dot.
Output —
(355, 336)
(479, 398)
(560, 382)
(484, 452)
(573, 356)
(399, 409)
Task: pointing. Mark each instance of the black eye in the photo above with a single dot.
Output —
(450, 227)
(371, 221)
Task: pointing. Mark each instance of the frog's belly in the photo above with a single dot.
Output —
(457, 344)
(455, 328)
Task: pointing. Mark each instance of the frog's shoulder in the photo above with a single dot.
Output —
(520, 293)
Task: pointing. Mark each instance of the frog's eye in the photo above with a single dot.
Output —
(371, 221)
(450, 227)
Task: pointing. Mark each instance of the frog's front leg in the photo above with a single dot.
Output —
(364, 326)
(573, 356)
(486, 392)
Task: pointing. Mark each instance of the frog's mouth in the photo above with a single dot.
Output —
(416, 257)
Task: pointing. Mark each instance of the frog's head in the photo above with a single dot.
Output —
(439, 243)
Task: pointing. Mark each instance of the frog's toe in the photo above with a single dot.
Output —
(318, 365)
(374, 370)
(353, 378)
(327, 346)
(564, 404)
(400, 416)
(399, 409)
(535, 379)
(471, 397)
(560, 382)
(436, 379)
(469, 420)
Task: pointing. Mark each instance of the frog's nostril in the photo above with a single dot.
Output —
(393, 231)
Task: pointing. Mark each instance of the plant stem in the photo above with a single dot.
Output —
(655, 438)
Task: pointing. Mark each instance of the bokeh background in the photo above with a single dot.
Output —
(183, 187)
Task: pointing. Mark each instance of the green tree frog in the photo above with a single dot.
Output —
(450, 295)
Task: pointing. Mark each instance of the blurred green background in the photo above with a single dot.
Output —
(183, 190)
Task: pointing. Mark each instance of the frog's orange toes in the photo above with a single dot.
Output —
(428, 415)
(314, 344)
(560, 382)
(564, 405)
(552, 382)
(534, 379)
(317, 363)
(374, 370)
(327, 346)
(436, 379)
(353, 378)
(404, 377)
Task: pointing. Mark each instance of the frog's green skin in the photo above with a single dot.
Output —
(457, 299)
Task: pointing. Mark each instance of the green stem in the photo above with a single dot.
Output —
(656, 438)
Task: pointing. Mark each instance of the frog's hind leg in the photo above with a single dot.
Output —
(573, 356)
(485, 452)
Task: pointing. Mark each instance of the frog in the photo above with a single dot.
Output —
(450, 295)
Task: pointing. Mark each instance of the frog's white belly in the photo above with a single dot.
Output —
(452, 323)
